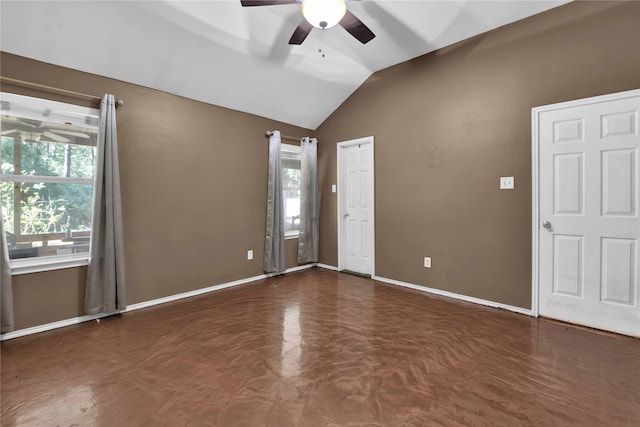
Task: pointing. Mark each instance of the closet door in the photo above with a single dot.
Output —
(588, 211)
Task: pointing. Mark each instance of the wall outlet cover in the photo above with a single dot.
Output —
(507, 183)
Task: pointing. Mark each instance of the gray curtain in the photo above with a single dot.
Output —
(105, 287)
(274, 258)
(6, 289)
(308, 238)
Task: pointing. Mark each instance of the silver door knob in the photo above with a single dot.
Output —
(546, 225)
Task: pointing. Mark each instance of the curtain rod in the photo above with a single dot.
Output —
(290, 138)
(119, 102)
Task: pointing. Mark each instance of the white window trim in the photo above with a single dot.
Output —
(291, 148)
(47, 263)
(48, 179)
(296, 149)
(53, 111)
(292, 234)
(57, 112)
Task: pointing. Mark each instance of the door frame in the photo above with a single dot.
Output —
(535, 179)
(340, 146)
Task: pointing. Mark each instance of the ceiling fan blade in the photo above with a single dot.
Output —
(55, 137)
(301, 32)
(356, 28)
(70, 133)
(247, 3)
(29, 123)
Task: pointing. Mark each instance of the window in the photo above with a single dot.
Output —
(291, 189)
(47, 158)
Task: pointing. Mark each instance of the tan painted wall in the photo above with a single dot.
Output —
(193, 187)
(447, 125)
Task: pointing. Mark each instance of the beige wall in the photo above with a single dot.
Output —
(193, 187)
(448, 124)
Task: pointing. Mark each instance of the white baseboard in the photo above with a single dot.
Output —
(455, 296)
(151, 303)
(144, 304)
(50, 326)
(193, 293)
(327, 267)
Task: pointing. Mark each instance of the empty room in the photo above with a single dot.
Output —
(320, 213)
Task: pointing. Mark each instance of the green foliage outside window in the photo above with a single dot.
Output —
(47, 207)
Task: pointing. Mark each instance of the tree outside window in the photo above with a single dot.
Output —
(291, 188)
(46, 184)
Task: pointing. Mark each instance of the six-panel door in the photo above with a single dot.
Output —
(588, 250)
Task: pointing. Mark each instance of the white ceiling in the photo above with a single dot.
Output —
(221, 53)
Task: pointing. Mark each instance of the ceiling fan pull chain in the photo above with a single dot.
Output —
(321, 48)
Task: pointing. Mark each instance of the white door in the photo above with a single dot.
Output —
(355, 206)
(588, 226)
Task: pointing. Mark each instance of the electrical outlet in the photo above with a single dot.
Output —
(250, 255)
(427, 262)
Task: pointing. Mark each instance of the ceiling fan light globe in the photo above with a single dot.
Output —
(327, 12)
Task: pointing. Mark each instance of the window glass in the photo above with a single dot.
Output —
(47, 159)
(291, 188)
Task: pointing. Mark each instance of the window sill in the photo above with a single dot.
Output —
(36, 265)
(291, 235)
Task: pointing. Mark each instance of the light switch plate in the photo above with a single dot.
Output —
(250, 255)
(333, 188)
(507, 183)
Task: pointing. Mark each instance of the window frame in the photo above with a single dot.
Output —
(52, 112)
(296, 150)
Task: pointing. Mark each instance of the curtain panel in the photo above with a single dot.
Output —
(105, 286)
(274, 256)
(308, 237)
(6, 287)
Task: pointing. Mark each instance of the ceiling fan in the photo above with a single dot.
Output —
(321, 14)
(36, 131)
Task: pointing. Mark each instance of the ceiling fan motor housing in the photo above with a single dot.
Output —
(323, 13)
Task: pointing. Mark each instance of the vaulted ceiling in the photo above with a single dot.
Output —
(218, 52)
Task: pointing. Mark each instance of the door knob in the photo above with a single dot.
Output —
(346, 215)
(546, 225)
